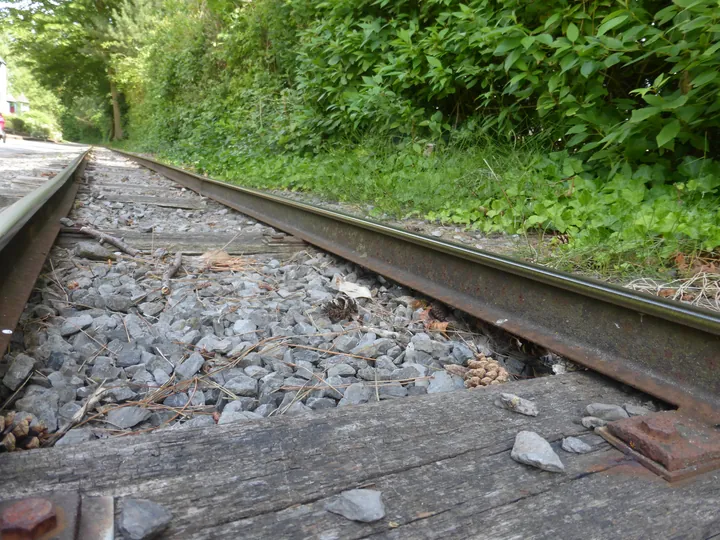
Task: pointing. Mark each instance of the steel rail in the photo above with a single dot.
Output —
(666, 349)
(28, 229)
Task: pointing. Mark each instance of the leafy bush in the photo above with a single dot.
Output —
(14, 123)
(597, 118)
(35, 124)
(612, 82)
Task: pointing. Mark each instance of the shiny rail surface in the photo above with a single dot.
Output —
(28, 229)
(667, 349)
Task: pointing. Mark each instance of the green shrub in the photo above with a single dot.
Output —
(14, 123)
(35, 124)
(613, 104)
(612, 82)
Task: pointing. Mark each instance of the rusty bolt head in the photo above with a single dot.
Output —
(27, 519)
(662, 427)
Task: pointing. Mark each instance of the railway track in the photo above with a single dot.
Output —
(667, 350)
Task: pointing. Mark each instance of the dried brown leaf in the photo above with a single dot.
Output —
(437, 326)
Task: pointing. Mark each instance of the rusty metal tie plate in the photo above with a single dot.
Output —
(672, 444)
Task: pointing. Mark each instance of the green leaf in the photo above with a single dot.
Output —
(587, 68)
(577, 128)
(553, 83)
(577, 139)
(572, 32)
(675, 103)
(568, 61)
(527, 41)
(609, 25)
(506, 45)
(612, 60)
(711, 50)
(638, 115)
(512, 58)
(589, 146)
(552, 20)
(534, 220)
(668, 133)
(434, 62)
(704, 78)
(687, 3)
(545, 39)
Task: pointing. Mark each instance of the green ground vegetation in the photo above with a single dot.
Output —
(598, 120)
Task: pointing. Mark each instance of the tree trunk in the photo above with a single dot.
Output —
(117, 123)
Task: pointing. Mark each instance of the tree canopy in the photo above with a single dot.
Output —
(65, 44)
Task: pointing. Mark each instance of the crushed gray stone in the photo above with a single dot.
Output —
(592, 422)
(231, 417)
(21, 366)
(517, 404)
(142, 519)
(76, 436)
(189, 367)
(355, 394)
(443, 381)
(234, 345)
(606, 412)
(93, 251)
(636, 410)
(575, 445)
(364, 505)
(127, 417)
(531, 449)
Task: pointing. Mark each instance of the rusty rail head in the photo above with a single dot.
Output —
(28, 229)
(667, 349)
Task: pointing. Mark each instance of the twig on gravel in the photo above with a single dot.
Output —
(57, 280)
(318, 377)
(377, 389)
(367, 383)
(170, 272)
(102, 237)
(92, 359)
(165, 357)
(126, 330)
(80, 414)
(326, 351)
(297, 397)
(224, 390)
(9, 400)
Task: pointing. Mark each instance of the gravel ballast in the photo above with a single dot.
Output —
(106, 345)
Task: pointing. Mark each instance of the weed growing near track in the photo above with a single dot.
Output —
(624, 227)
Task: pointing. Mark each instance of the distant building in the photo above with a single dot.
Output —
(17, 105)
(8, 103)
